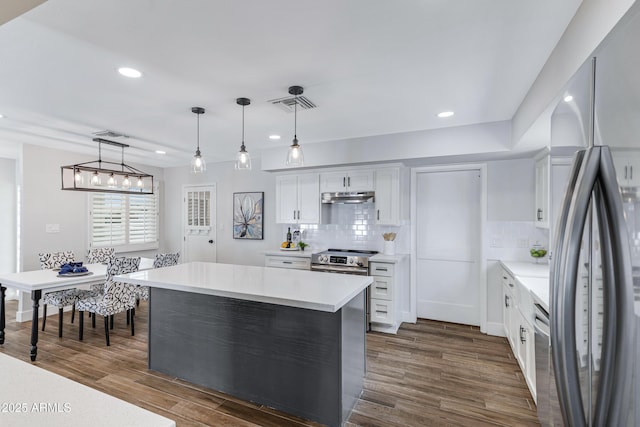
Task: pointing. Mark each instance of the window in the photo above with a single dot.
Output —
(128, 222)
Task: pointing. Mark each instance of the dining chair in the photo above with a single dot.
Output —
(101, 255)
(60, 299)
(116, 298)
(161, 260)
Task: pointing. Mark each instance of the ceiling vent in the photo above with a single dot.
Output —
(110, 134)
(287, 103)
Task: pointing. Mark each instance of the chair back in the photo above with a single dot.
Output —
(101, 255)
(166, 260)
(50, 260)
(122, 265)
(119, 296)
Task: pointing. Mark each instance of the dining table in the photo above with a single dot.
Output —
(38, 282)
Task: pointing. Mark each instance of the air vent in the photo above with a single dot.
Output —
(287, 104)
(110, 134)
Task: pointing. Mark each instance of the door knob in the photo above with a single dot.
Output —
(211, 241)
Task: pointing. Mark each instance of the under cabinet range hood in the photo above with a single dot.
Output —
(348, 197)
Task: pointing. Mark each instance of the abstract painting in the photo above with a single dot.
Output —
(247, 215)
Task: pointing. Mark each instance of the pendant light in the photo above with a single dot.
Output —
(295, 157)
(243, 159)
(198, 164)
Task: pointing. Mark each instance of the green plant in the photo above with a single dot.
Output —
(302, 245)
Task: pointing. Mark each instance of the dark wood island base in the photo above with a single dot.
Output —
(305, 362)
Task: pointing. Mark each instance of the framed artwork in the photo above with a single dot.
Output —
(247, 215)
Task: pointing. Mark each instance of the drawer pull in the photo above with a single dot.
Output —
(380, 311)
(381, 288)
(510, 284)
(381, 269)
(287, 262)
(504, 277)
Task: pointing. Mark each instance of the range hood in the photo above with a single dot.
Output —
(348, 197)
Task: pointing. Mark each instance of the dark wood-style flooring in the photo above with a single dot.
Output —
(430, 374)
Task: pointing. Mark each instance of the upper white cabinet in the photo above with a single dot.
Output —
(387, 188)
(358, 180)
(627, 167)
(298, 199)
(542, 192)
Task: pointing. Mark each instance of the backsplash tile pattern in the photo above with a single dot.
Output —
(351, 227)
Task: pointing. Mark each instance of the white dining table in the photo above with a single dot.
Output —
(38, 281)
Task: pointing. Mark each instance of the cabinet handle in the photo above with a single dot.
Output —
(294, 214)
(287, 262)
(380, 287)
(504, 277)
(539, 214)
(631, 172)
(348, 181)
(506, 300)
(523, 335)
(381, 269)
(625, 172)
(378, 214)
(344, 181)
(510, 285)
(380, 311)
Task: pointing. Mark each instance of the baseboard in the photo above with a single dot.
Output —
(495, 329)
(407, 317)
(387, 329)
(26, 315)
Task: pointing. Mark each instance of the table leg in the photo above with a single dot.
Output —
(35, 296)
(2, 314)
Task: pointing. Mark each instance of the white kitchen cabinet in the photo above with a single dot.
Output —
(390, 276)
(517, 311)
(542, 192)
(351, 181)
(627, 164)
(298, 199)
(287, 261)
(387, 188)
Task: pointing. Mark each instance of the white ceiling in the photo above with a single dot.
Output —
(371, 66)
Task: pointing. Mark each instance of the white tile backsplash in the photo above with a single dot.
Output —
(511, 240)
(351, 227)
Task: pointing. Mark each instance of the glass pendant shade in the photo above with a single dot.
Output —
(295, 156)
(198, 165)
(243, 159)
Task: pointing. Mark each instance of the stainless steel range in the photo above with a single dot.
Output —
(346, 261)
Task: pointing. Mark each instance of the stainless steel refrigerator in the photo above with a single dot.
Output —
(595, 269)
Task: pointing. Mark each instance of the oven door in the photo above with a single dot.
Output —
(361, 271)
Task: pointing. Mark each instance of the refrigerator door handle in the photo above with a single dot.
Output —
(618, 343)
(564, 289)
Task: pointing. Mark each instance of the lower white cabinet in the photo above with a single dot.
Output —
(389, 278)
(517, 312)
(299, 263)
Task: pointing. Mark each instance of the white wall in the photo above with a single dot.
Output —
(227, 180)
(8, 215)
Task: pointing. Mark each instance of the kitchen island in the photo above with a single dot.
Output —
(293, 340)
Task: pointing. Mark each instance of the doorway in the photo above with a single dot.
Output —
(449, 211)
(199, 223)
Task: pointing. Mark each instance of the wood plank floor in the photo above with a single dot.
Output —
(430, 374)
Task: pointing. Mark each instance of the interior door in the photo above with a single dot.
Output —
(447, 245)
(199, 223)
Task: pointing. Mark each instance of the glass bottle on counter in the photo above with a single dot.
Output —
(289, 234)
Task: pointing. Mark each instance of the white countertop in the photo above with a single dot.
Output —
(294, 288)
(392, 259)
(534, 277)
(31, 396)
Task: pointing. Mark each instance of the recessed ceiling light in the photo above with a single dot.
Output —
(445, 114)
(160, 152)
(1, 116)
(274, 137)
(129, 72)
(568, 98)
